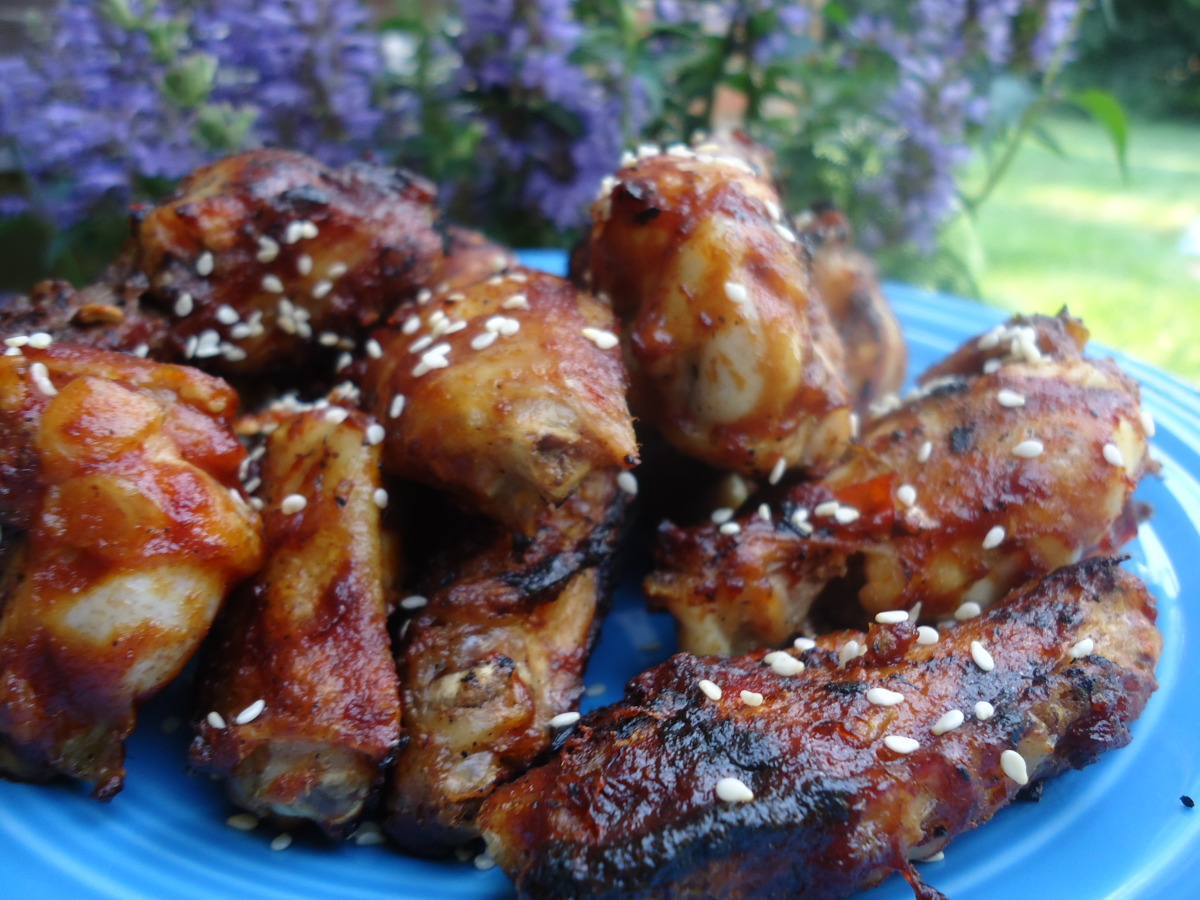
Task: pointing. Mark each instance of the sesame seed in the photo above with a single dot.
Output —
(40, 340)
(1013, 764)
(250, 713)
(845, 515)
(516, 301)
(898, 743)
(16, 341)
(991, 340)
(804, 643)
(605, 340)
(1082, 648)
(190, 345)
(434, 358)
(380, 497)
(204, 264)
(1148, 425)
(892, 616)
(828, 508)
(424, 295)
(948, 721)
(1112, 454)
(41, 379)
(293, 503)
(336, 415)
(227, 315)
(709, 689)
(242, 821)
(783, 663)
(415, 601)
(308, 229)
(184, 304)
(883, 697)
(328, 339)
(926, 635)
(992, 366)
(777, 471)
(304, 264)
(321, 289)
(595, 690)
(932, 858)
(730, 528)
(375, 434)
(627, 482)
(343, 360)
(272, 283)
(736, 292)
(268, 249)
(215, 720)
(1010, 399)
(925, 452)
(281, 841)
(483, 340)
(855, 425)
(397, 406)
(368, 834)
(411, 325)
(503, 325)
(336, 270)
(752, 698)
(734, 790)
(968, 610)
(721, 515)
(786, 233)
(848, 652)
(982, 658)
(984, 710)
(420, 343)
(208, 344)
(483, 862)
(906, 494)
(252, 485)
(1029, 449)
(564, 720)
(293, 233)
(994, 538)
(374, 350)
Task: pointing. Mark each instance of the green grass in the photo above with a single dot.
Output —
(1070, 231)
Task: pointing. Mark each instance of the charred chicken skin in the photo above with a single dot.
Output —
(299, 698)
(507, 393)
(496, 654)
(751, 777)
(731, 356)
(979, 483)
(120, 477)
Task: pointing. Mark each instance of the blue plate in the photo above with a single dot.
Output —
(1114, 830)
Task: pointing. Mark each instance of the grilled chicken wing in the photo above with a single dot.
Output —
(845, 280)
(301, 675)
(507, 393)
(723, 777)
(981, 482)
(121, 473)
(731, 356)
(497, 653)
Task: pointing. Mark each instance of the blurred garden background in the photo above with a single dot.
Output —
(1029, 153)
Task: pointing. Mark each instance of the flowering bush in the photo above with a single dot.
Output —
(519, 107)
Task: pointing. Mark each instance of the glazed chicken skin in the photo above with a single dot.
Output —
(977, 484)
(731, 356)
(300, 673)
(743, 777)
(845, 280)
(121, 475)
(507, 393)
(495, 655)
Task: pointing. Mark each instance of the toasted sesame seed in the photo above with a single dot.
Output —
(268, 249)
(375, 434)
(721, 515)
(434, 358)
(328, 339)
(564, 720)
(605, 340)
(336, 415)
(992, 366)
(855, 425)
(627, 482)
(414, 601)
(184, 304)
(1112, 455)
(878, 696)
(982, 658)
(321, 289)
(516, 301)
(368, 834)
(968, 610)
(906, 494)
(730, 528)
(709, 689)
(925, 452)
(373, 349)
(39, 340)
(892, 616)
(397, 406)
(215, 720)
(926, 635)
(424, 295)
(948, 721)
(736, 292)
(991, 340)
(734, 790)
(845, 515)
(190, 345)
(777, 471)
(41, 379)
(984, 710)
(783, 663)
(1029, 449)
(242, 821)
(931, 858)
(421, 343)
(1148, 425)
(281, 841)
(828, 508)
(293, 233)
(293, 503)
(411, 325)
(1082, 648)
(380, 497)
(483, 862)
(804, 643)
(250, 713)
(483, 340)
(994, 538)
(343, 360)
(848, 651)
(786, 233)
(1009, 398)
(204, 264)
(304, 264)
(898, 743)
(226, 314)
(272, 283)
(1013, 764)
(751, 698)
(16, 341)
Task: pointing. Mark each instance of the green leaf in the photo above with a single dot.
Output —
(1107, 112)
(190, 81)
(1043, 136)
(222, 127)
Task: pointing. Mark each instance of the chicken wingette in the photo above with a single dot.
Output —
(299, 703)
(119, 479)
(813, 774)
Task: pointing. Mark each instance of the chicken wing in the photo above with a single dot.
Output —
(975, 485)
(507, 393)
(122, 476)
(731, 357)
(816, 774)
(495, 656)
(300, 675)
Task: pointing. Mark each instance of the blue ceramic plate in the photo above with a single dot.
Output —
(1114, 830)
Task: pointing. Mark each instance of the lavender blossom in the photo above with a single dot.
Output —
(1057, 27)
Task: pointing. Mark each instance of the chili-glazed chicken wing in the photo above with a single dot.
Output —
(299, 698)
(121, 476)
(494, 656)
(817, 773)
(507, 393)
(731, 355)
(980, 482)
